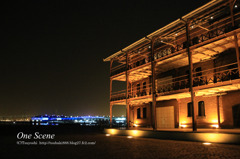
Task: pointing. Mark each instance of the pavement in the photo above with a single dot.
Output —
(117, 147)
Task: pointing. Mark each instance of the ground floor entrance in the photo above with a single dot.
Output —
(165, 117)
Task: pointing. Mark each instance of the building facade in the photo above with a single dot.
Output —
(185, 74)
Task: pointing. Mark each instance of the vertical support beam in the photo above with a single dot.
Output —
(231, 4)
(111, 62)
(178, 111)
(110, 93)
(111, 105)
(127, 87)
(153, 64)
(218, 111)
(110, 89)
(194, 124)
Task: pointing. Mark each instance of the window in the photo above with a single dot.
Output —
(201, 108)
(144, 113)
(189, 106)
(198, 71)
(138, 89)
(138, 113)
(144, 88)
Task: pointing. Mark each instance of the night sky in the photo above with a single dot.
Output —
(52, 51)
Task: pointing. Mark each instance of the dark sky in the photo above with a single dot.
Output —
(52, 51)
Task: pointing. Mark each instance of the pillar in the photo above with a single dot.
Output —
(231, 4)
(111, 105)
(194, 124)
(127, 86)
(153, 106)
(110, 94)
(218, 110)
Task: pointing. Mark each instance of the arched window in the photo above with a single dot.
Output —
(138, 113)
(189, 106)
(201, 108)
(144, 113)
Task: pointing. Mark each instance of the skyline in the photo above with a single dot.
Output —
(52, 55)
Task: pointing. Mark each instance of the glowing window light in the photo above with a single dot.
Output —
(206, 143)
(108, 135)
(129, 137)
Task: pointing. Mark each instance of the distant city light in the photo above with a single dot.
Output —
(235, 6)
(211, 17)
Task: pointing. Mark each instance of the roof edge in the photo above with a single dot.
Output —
(157, 32)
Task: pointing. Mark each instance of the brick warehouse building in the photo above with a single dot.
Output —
(185, 74)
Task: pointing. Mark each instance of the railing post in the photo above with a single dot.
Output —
(231, 4)
(127, 85)
(154, 122)
(194, 124)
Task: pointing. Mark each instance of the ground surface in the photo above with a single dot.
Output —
(101, 146)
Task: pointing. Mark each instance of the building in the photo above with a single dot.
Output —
(185, 74)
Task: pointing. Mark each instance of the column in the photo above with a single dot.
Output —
(153, 64)
(194, 124)
(110, 94)
(218, 111)
(111, 105)
(231, 4)
(127, 85)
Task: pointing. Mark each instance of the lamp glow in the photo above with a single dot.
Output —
(206, 143)
(215, 126)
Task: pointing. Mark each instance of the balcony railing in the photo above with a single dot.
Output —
(206, 77)
(118, 69)
(139, 91)
(215, 75)
(134, 92)
(119, 95)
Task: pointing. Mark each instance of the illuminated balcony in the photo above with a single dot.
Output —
(208, 82)
(215, 80)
